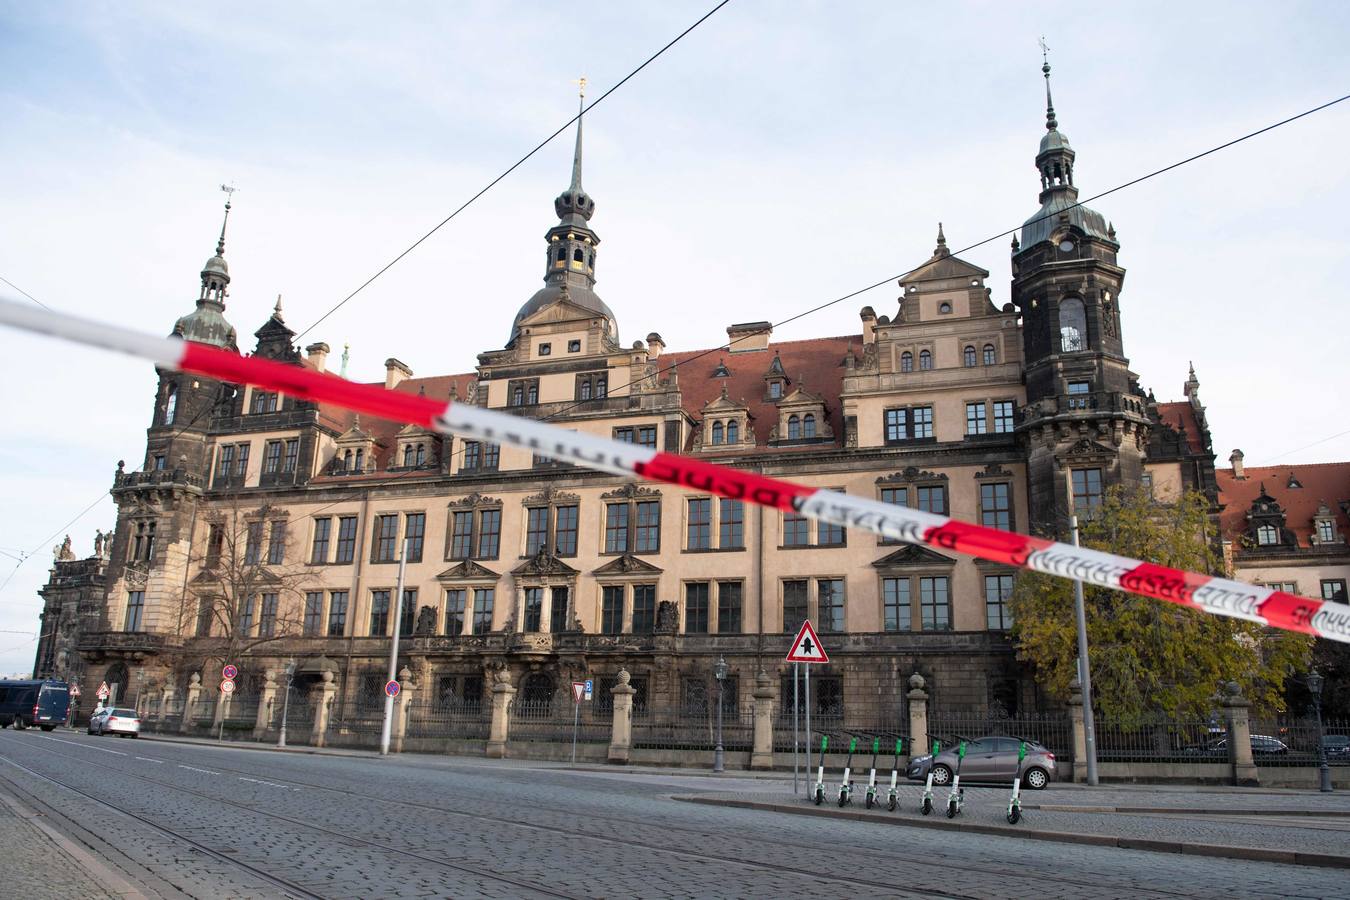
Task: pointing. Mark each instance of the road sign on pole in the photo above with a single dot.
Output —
(578, 689)
(227, 686)
(230, 672)
(590, 686)
(806, 646)
(102, 692)
(392, 688)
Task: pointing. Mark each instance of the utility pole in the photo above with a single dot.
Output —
(1084, 671)
(397, 609)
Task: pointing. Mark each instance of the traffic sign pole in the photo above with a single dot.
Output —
(796, 722)
(393, 648)
(807, 682)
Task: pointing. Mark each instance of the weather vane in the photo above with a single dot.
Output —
(229, 189)
(581, 86)
(1045, 49)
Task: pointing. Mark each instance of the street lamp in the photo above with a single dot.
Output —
(720, 673)
(286, 702)
(1315, 682)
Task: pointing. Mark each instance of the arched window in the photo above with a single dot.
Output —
(586, 390)
(602, 387)
(733, 432)
(794, 428)
(925, 360)
(518, 396)
(347, 461)
(1072, 325)
(717, 432)
(407, 454)
(561, 254)
(360, 460)
(969, 357)
(590, 260)
(906, 362)
(1267, 535)
(989, 356)
(809, 425)
(421, 455)
(171, 404)
(578, 256)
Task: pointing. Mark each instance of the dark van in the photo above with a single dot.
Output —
(42, 703)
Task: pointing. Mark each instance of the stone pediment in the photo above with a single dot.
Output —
(468, 570)
(1090, 448)
(541, 565)
(911, 474)
(801, 397)
(550, 495)
(723, 403)
(943, 267)
(632, 491)
(912, 555)
(562, 309)
(473, 501)
(202, 577)
(627, 565)
(410, 430)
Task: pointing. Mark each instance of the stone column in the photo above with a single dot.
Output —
(194, 691)
(1235, 707)
(762, 757)
(918, 716)
(323, 707)
(1079, 731)
(621, 733)
(407, 689)
(265, 703)
(500, 729)
(166, 700)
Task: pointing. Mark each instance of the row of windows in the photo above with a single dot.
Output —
(969, 358)
(728, 432)
(573, 346)
(915, 423)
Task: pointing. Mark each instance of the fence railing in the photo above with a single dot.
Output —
(695, 729)
(1052, 731)
(1162, 741)
(552, 721)
(1293, 742)
(450, 720)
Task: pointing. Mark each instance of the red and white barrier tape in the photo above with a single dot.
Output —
(1220, 596)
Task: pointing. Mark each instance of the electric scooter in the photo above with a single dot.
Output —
(957, 797)
(1015, 802)
(872, 778)
(846, 786)
(928, 784)
(893, 795)
(819, 794)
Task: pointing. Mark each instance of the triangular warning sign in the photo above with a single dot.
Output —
(806, 646)
(578, 688)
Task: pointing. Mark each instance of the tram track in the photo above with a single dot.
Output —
(939, 868)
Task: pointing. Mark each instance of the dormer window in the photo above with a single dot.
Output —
(717, 432)
(733, 432)
(1326, 531)
(808, 426)
(775, 390)
(1267, 535)
(794, 428)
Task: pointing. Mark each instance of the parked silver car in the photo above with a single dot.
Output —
(118, 721)
(988, 759)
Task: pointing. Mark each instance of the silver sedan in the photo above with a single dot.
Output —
(988, 759)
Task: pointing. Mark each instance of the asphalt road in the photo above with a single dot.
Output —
(203, 821)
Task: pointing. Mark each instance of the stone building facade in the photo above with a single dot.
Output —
(294, 511)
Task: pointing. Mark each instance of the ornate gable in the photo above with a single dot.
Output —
(913, 556)
(549, 496)
(631, 490)
(474, 501)
(468, 570)
(543, 565)
(910, 475)
(627, 565)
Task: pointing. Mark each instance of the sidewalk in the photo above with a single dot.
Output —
(42, 863)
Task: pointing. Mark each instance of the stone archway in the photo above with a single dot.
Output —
(118, 679)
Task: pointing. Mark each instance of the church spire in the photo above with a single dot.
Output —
(207, 323)
(1055, 158)
(576, 154)
(1050, 123)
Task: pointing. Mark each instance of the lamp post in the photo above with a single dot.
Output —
(1315, 682)
(1084, 670)
(286, 702)
(720, 673)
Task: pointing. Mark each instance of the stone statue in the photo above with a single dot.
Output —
(98, 543)
(426, 622)
(62, 551)
(667, 618)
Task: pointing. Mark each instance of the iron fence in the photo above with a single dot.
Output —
(1161, 741)
(695, 729)
(552, 720)
(1053, 731)
(428, 718)
(1293, 742)
(356, 723)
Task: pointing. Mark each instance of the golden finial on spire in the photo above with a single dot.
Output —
(581, 87)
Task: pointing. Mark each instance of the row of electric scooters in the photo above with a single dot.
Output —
(955, 798)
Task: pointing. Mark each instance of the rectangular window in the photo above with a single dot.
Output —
(644, 608)
(1333, 589)
(647, 534)
(931, 498)
(731, 526)
(253, 544)
(996, 506)
(386, 539)
(271, 457)
(997, 590)
(379, 613)
(292, 458)
(276, 545)
(1087, 490)
(935, 604)
(976, 423)
(135, 607)
(536, 529)
(1326, 531)
(796, 530)
(267, 617)
(414, 533)
(206, 614)
(616, 528)
(461, 536)
(611, 609)
(794, 605)
(483, 601)
(696, 607)
(1003, 416)
(313, 613)
(830, 604)
(897, 426)
(921, 421)
(346, 542)
(895, 604)
(1078, 394)
(829, 534)
(729, 597)
(337, 613)
(160, 462)
(698, 530)
(534, 608)
(492, 454)
(642, 435)
(319, 554)
(489, 533)
(565, 530)
(557, 610)
(473, 456)
(246, 616)
(409, 609)
(241, 460)
(897, 496)
(455, 600)
(225, 461)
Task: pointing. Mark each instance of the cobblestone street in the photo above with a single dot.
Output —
(207, 821)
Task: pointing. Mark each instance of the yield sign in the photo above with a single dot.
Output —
(578, 689)
(806, 646)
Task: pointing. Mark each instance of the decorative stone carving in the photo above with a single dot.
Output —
(911, 474)
(631, 491)
(426, 622)
(667, 617)
(550, 495)
(993, 470)
(468, 570)
(628, 565)
(473, 501)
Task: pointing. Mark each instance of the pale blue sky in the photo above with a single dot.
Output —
(781, 155)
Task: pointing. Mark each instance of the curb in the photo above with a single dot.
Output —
(1222, 851)
(1179, 811)
(269, 748)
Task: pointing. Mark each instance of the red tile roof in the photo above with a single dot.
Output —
(1181, 416)
(1327, 483)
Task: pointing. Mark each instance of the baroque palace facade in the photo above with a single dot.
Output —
(294, 511)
